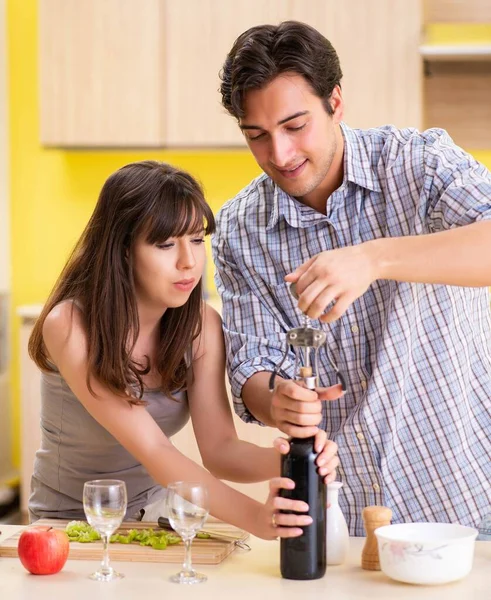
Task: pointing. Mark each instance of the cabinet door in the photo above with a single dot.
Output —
(377, 43)
(125, 73)
(199, 34)
(457, 11)
(101, 75)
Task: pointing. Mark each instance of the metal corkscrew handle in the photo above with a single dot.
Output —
(305, 340)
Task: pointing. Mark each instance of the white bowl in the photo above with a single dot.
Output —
(426, 553)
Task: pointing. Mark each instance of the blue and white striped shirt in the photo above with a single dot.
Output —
(414, 426)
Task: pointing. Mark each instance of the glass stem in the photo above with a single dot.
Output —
(105, 568)
(186, 565)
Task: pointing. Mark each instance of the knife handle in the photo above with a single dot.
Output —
(164, 523)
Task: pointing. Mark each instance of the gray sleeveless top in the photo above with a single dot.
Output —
(75, 449)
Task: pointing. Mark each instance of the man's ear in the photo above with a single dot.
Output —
(337, 104)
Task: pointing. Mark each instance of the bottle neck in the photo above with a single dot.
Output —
(332, 496)
(307, 440)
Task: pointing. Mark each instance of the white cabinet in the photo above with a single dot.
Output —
(457, 11)
(101, 73)
(146, 74)
(199, 34)
(457, 86)
(140, 74)
(30, 404)
(378, 46)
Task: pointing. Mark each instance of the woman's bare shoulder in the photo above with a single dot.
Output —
(211, 315)
(62, 320)
(211, 331)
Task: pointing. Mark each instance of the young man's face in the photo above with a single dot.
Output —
(292, 137)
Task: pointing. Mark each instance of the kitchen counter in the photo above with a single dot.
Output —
(241, 576)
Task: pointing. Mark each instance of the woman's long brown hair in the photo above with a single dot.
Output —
(146, 198)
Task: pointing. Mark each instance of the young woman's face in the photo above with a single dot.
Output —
(166, 274)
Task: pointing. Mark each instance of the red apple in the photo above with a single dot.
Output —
(43, 550)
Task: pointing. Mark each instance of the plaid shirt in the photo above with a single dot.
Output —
(414, 426)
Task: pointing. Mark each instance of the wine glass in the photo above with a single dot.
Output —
(105, 507)
(187, 509)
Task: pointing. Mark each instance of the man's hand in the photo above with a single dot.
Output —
(297, 410)
(341, 275)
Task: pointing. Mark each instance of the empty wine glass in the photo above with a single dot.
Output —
(105, 507)
(187, 508)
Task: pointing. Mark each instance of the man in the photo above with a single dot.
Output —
(387, 235)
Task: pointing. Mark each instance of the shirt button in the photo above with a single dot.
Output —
(376, 487)
(355, 329)
(363, 384)
(360, 436)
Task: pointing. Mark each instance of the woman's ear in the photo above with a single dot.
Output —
(126, 248)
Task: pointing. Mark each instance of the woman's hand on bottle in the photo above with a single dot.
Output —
(277, 524)
(327, 461)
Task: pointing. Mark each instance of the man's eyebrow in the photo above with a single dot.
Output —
(282, 122)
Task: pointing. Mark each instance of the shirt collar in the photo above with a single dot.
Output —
(283, 205)
(358, 166)
(293, 211)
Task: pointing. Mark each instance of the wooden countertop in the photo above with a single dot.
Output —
(242, 576)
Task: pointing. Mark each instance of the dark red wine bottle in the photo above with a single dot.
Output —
(304, 557)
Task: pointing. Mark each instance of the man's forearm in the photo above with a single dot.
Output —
(257, 397)
(460, 256)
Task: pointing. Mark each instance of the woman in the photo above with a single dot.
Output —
(128, 350)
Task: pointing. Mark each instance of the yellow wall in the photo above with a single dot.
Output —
(458, 33)
(53, 191)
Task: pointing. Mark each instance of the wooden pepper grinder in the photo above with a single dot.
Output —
(373, 517)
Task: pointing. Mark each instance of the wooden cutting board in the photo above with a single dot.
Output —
(204, 552)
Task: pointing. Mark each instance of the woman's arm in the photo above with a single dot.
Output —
(226, 456)
(222, 452)
(66, 343)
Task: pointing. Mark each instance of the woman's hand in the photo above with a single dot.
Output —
(275, 524)
(327, 461)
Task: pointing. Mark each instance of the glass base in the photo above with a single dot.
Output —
(188, 577)
(106, 575)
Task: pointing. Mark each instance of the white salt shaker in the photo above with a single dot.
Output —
(337, 546)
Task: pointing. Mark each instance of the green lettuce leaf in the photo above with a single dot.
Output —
(80, 531)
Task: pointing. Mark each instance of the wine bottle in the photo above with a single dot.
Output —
(304, 557)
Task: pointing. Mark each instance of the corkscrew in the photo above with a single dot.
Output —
(306, 342)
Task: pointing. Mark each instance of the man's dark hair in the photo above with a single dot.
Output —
(263, 52)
